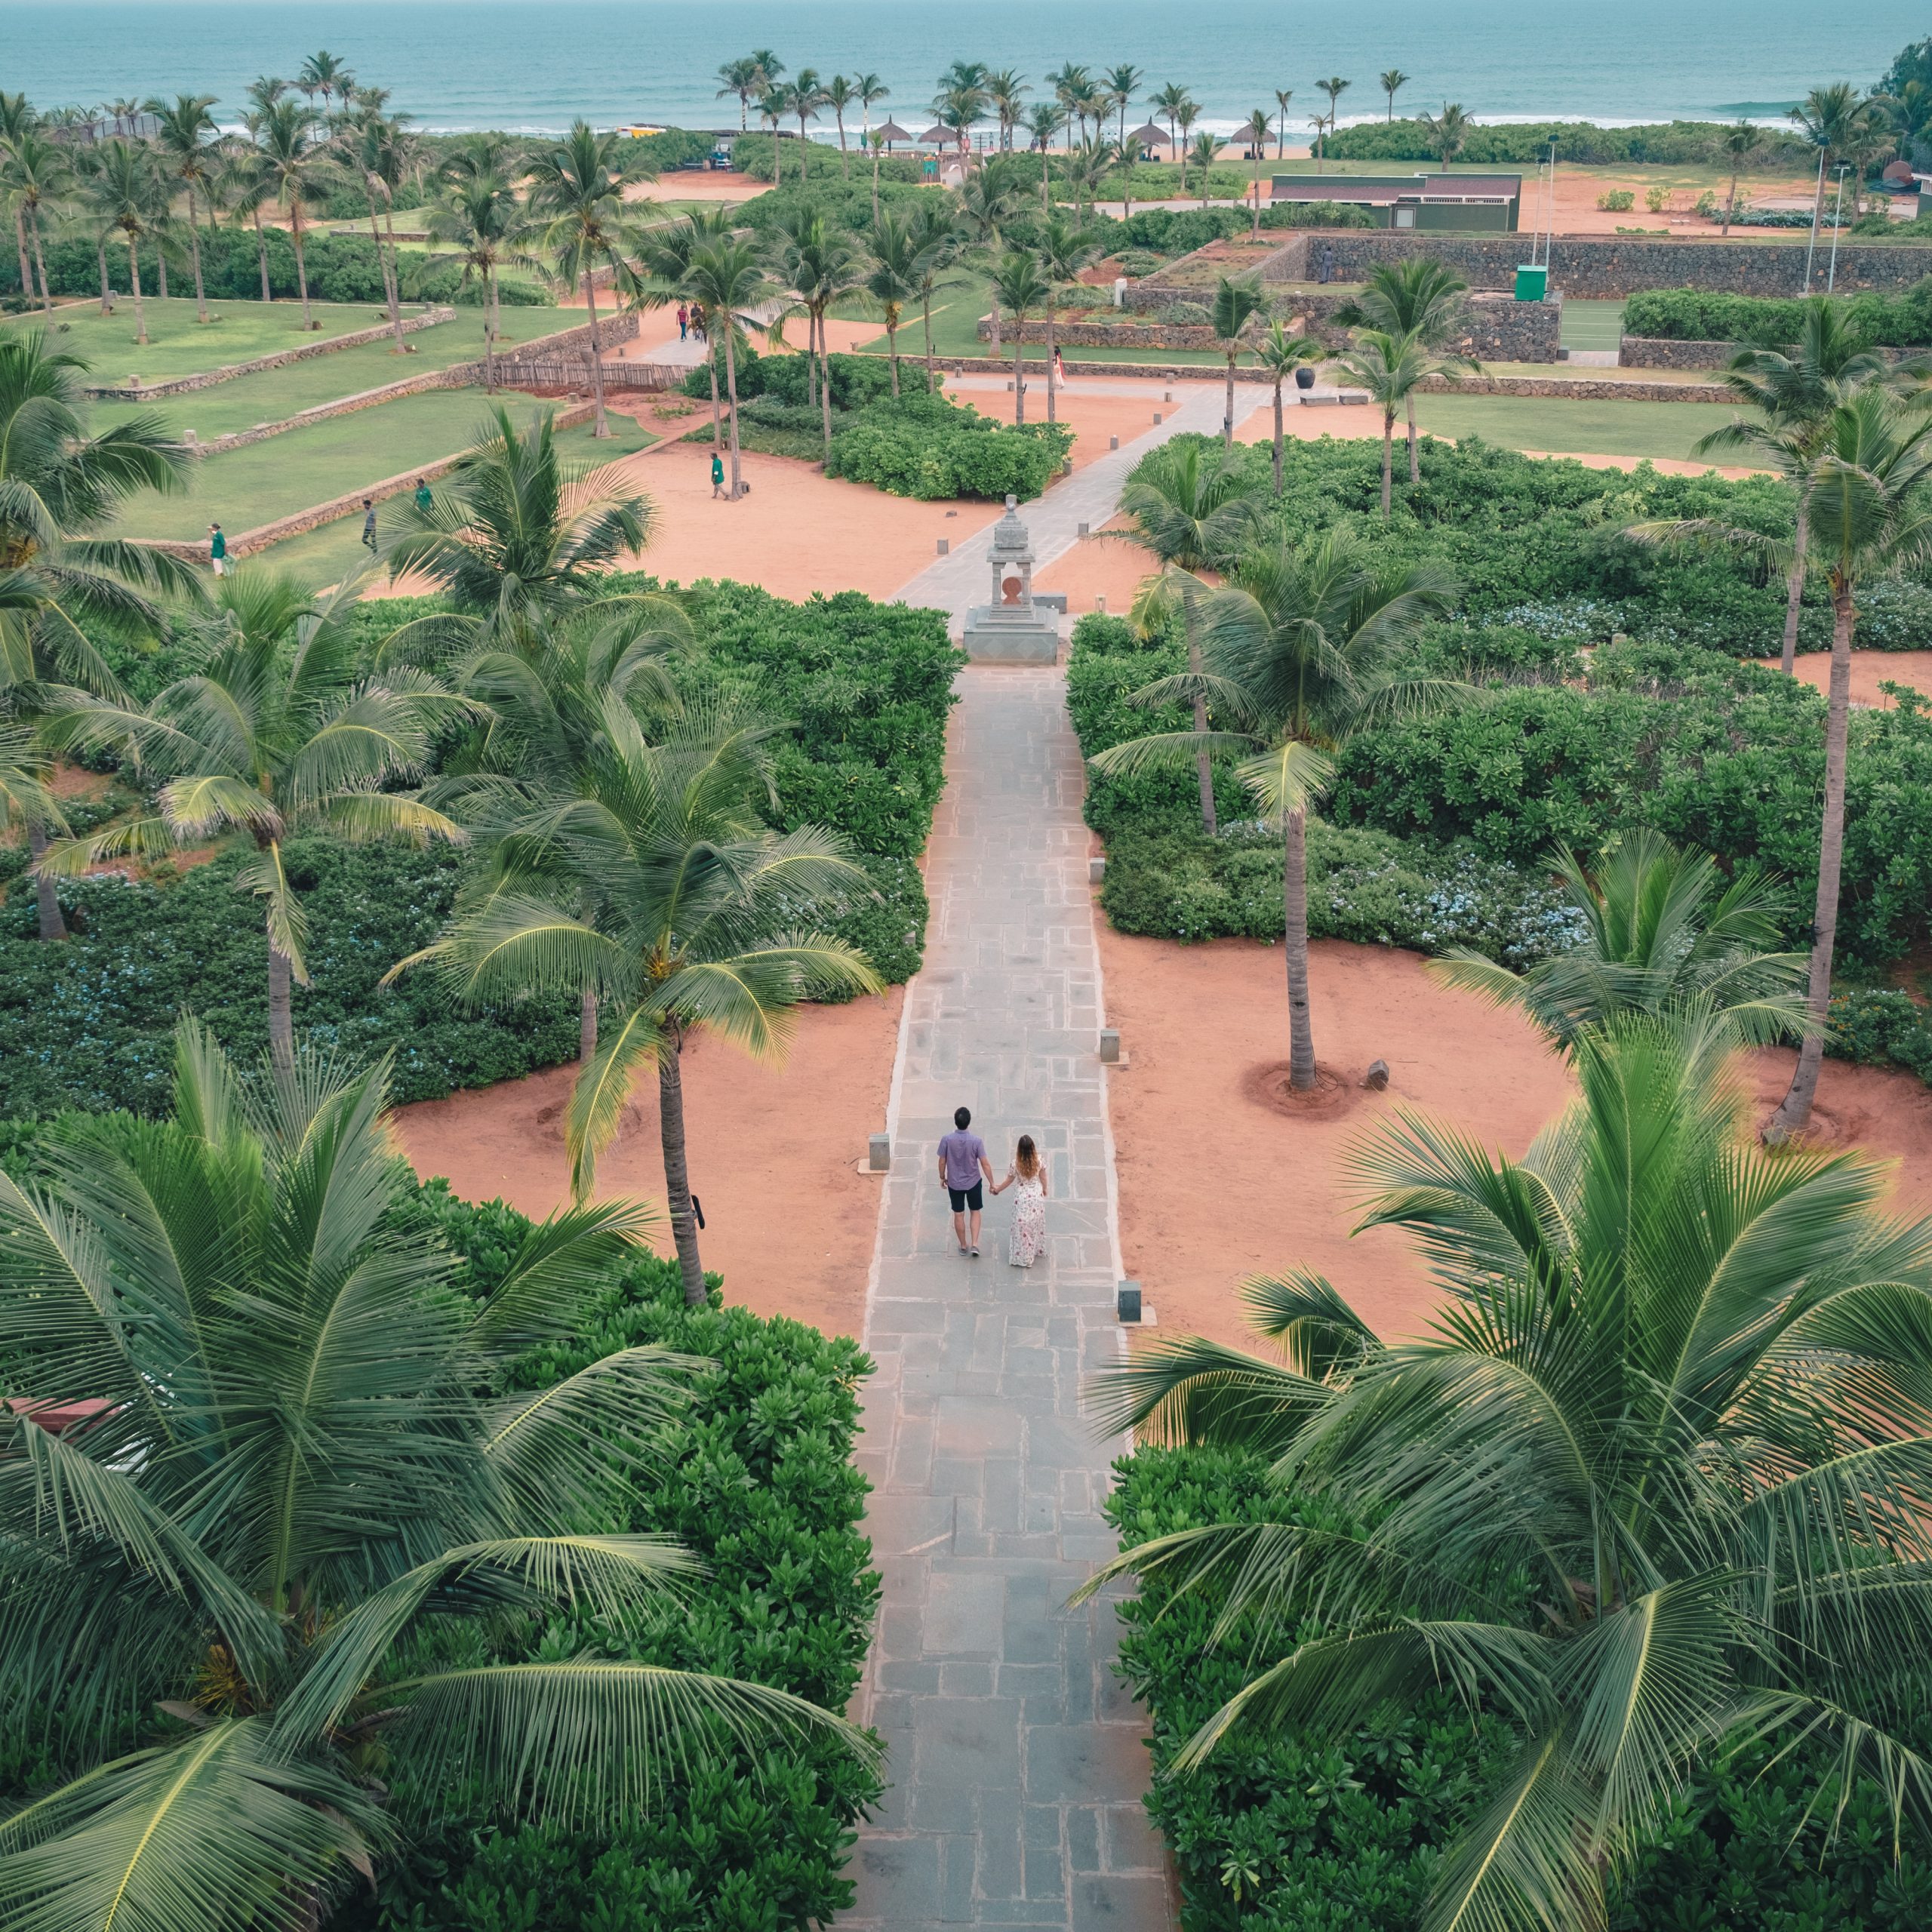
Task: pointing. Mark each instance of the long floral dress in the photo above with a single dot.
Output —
(1029, 1221)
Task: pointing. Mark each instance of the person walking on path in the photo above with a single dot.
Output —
(962, 1160)
(717, 474)
(1028, 1176)
(369, 524)
(217, 550)
(1059, 368)
(684, 321)
(423, 498)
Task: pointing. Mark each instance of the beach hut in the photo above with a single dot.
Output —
(1149, 136)
(891, 132)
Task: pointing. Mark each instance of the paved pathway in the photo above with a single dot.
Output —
(1016, 1760)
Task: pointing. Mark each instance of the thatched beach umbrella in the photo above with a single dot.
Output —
(891, 132)
(937, 137)
(1149, 136)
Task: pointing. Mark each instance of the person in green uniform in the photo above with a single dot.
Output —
(717, 474)
(423, 499)
(217, 550)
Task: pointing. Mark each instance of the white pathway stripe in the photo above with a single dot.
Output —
(1017, 1765)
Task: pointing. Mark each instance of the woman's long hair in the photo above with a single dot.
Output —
(1026, 1159)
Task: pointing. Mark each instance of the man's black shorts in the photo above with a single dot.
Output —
(963, 1198)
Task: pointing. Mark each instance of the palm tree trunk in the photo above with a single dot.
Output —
(1795, 587)
(1415, 463)
(825, 407)
(160, 268)
(844, 160)
(1277, 436)
(1051, 411)
(717, 410)
(602, 428)
(993, 341)
(892, 354)
(195, 254)
(1730, 205)
(492, 318)
(40, 262)
(382, 263)
(1388, 462)
(1255, 236)
(106, 289)
(731, 385)
(20, 242)
(1019, 369)
(301, 266)
(261, 252)
(1228, 414)
(1294, 909)
(926, 311)
(282, 1024)
(875, 187)
(811, 360)
(52, 925)
(586, 1026)
(134, 276)
(677, 1178)
(1794, 1111)
(394, 274)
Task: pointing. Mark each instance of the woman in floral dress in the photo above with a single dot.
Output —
(1028, 1175)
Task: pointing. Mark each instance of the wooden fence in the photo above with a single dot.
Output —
(572, 372)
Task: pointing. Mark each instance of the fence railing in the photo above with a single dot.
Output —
(572, 372)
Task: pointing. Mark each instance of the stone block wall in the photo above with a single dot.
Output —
(203, 378)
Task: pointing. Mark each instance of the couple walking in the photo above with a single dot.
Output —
(962, 1162)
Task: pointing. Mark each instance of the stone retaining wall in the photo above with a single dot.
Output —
(1570, 389)
(1652, 351)
(204, 379)
(249, 541)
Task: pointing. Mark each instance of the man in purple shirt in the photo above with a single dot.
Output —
(962, 1160)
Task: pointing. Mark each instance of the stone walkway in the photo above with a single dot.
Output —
(1017, 1763)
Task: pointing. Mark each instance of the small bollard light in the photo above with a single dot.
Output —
(878, 1153)
(1127, 1301)
(1080, 530)
(1157, 415)
(945, 546)
(1113, 442)
(1100, 602)
(1110, 1046)
(1096, 870)
(1169, 397)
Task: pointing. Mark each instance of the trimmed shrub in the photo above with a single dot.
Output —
(1693, 315)
(1679, 143)
(929, 447)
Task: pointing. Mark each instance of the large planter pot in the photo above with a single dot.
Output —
(1305, 377)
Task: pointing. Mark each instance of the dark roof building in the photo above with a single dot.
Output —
(1490, 202)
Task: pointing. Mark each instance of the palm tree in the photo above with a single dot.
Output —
(1296, 655)
(1281, 353)
(1392, 368)
(891, 278)
(17, 118)
(1795, 391)
(1203, 152)
(1282, 96)
(271, 732)
(579, 185)
(1231, 315)
(741, 77)
(937, 241)
(773, 106)
(1190, 513)
(1334, 88)
(188, 142)
(806, 97)
(1635, 1497)
(1186, 115)
(1168, 104)
(726, 280)
(59, 487)
(374, 153)
(665, 254)
(299, 1462)
(769, 66)
(1071, 86)
(1255, 131)
(1665, 931)
(1739, 143)
(478, 214)
(288, 154)
(1837, 121)
(1043, 124)
(869, 90)
(987, 201)
(1448, 132)
(656, 881)
(1006, 95)
(1390, 82)
(838, 96)
(1867, 520)
(1018, 283)
(124, 192)
(1062, 249)
(36, 173)
(1087, 168)
(1420, 297)
(517, 537)
(1123, 83)
(323, 74)
(818, 264)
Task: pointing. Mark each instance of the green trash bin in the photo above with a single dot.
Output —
(1532, 283)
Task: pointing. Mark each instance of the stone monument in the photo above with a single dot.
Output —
(1011, 629)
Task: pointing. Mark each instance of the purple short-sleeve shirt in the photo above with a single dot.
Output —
(962, 1152)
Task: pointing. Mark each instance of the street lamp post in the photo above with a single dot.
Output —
(1817, 202)
(1838, 217)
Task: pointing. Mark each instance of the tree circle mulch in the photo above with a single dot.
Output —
(1331, 1095)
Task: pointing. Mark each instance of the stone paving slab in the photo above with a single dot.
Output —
(1017, 1763)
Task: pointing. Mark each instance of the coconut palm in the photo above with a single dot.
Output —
(1184, 116)
(1280, 353)
(188, 142)
(1448, 133)
(1390, 83)
(271, 732)
(807, 98)
(375, 153)
(1420, 296)
(773, 106)
(1297, 653)
(891, 278)
(819, 264)
(1006, 95)
(1837, 121)
(1664, 931)
(300, 1460)
(665, 254)
(656, 881)
(1043, 125)
(1391, 368)
(287, 145)
(1168, 104)
(838, 96)
(1018, 283)
(869, 90)
(1192, 511)
(1282, 96)
(128, 199)
(726, 279)
(323, 74)
(1334, 88)
(36, 174)
(479, 215)
(1232, 315)
(1739, 144)
(1255, 131)
(937, 238)
(1794, 391)
(578, 189)
(1062, 249)
(1087, 168)
(1867, 520)
(17, 118)
(1646, 1487)
(1204, 152)
(1123, 84)
(741, 77)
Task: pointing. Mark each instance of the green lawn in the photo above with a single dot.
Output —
(1592, 324)
(1596, 429)
(275, 393)
(255, 485)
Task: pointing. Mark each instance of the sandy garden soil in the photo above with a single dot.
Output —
(1869, 670)
(1216, 1181)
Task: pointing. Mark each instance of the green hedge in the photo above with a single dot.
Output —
(1676, 143)
(927, 447)
(1280, 1836)
(1692, 314)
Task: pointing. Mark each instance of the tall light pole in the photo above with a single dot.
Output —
(1838, 216)
(1817, 202)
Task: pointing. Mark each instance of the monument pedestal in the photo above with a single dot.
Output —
(1013, 629)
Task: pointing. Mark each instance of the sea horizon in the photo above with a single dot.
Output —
(534, 71)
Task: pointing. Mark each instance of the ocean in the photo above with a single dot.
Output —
(537, 65)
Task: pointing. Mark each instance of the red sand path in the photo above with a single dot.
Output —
(1215, 1184)
(1869, 670)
